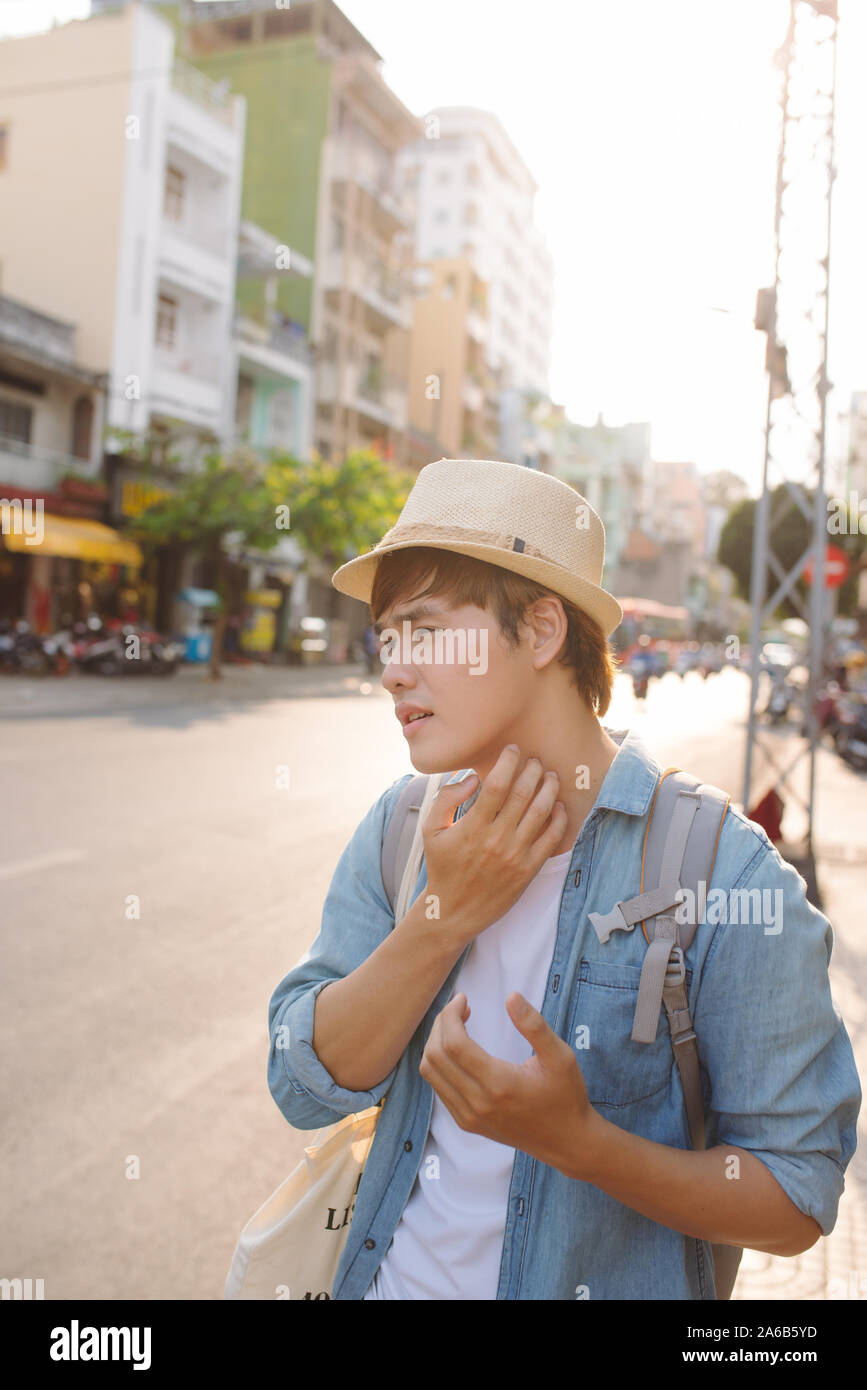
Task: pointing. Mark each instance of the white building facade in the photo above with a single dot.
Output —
(474, 197)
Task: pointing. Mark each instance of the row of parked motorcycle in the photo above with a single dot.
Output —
(102, 647)
(841, 715)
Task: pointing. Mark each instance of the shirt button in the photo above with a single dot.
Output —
(408, 1146)
(370, 1245)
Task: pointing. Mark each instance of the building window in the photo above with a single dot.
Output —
(15, 421)
(167, 312)
(4, 146)
(82, 427)
(450, 287)
(173, 199)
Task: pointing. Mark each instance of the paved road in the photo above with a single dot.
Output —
(142, 1039)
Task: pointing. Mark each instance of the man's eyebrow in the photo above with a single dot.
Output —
(409, 615)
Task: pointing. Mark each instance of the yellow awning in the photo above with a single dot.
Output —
(75, 538)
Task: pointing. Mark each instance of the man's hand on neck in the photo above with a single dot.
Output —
(567, 738)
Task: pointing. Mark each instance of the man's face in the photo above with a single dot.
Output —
(474, 688)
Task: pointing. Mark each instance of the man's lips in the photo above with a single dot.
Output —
(413, 724)
(412, 715)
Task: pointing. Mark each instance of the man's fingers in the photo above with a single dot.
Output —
(496, 785)
(540, 807)
(450, 1096)
(532, 1026)
(521, 794)
(449, 797)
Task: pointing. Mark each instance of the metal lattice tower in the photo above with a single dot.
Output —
(794, 313)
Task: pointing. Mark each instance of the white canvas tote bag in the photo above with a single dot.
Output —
(291, 1247)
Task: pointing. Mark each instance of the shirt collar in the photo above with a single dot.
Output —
(631, 779)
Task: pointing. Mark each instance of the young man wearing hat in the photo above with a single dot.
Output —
(528, 1148)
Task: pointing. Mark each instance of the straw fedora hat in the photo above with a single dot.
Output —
(515, 517)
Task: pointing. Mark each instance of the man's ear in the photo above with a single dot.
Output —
(547, 628)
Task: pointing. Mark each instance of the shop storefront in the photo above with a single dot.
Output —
(77, 567)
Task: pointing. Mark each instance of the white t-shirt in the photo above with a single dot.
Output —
(449, 1241)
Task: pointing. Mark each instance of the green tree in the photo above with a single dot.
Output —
(228, 497)
(790, 534)
(342, 509)
(333, 510)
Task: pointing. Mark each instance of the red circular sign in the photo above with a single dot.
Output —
(836, 568)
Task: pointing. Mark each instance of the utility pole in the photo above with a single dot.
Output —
(794, 314)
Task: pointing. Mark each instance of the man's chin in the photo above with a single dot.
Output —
(433, 760)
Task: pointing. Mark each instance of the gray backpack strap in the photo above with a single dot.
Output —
(397, 841)
(680, 843)
(680, 846)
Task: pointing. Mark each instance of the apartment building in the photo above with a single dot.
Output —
(120, 206)
(453, 394)
(119, 203)
(323, 133)
(474, 198)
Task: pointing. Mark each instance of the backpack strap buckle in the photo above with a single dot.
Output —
(624, 915)
(675, 970)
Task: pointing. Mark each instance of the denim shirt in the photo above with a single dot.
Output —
(778, 1072)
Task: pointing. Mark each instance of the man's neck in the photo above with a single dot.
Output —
(570, 741)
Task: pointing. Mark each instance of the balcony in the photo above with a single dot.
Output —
(212, 97)
(36, 333)
(196, 258)
(279, 339)
(189, 386)
(41, 470)
(204, 235)
(392, 206)
(378, 396)
(380, 290)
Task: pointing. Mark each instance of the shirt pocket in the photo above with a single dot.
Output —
(617, 1070)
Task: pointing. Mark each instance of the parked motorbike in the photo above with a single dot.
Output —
(779, 701)
(22, 650)
(103, 648)
(850, 731)
(640, 682)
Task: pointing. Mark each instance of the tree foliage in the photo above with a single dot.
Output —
(332, 510)
(790, 534)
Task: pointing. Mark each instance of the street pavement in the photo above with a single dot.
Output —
(167, 847)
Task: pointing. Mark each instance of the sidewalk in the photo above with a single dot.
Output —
(78, 694)
(836, 1266)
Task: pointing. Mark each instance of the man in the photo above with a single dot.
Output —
(527, 1147)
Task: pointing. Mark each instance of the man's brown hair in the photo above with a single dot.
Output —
(464, 579)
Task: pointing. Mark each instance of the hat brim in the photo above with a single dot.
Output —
(355, 578)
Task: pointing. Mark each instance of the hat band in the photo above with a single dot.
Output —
(425, 531)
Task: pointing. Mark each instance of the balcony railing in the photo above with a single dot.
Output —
(203, 366)
(213, 97)
(25, 327)
(203, 236)
(35, 469)
(279, 337)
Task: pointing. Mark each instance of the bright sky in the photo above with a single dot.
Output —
(651, 129)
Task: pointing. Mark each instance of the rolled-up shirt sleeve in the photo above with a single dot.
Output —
(782, 1073)
(356, 918)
